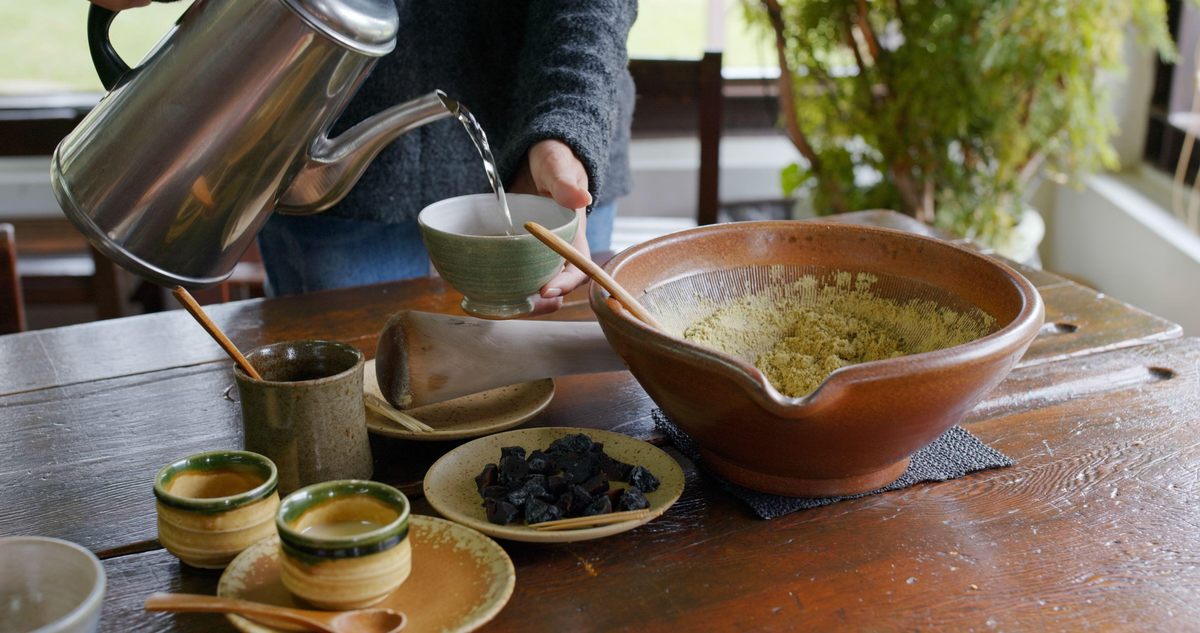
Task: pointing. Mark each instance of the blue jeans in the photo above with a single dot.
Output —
(305, 253)
(600, 226)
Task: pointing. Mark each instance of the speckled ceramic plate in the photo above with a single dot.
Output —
(462, 418)
(450, 482)
(460, 579)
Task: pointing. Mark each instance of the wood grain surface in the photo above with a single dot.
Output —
(104, 350)
(1094, 528)
(98, 443)
(1080, 321)
(109, 349)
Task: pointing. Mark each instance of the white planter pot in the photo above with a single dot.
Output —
(1022, 242)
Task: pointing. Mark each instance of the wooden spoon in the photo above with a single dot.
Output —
(355, 621)
(197, 312)
(560, 246)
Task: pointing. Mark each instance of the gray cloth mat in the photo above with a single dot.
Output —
(954, 454)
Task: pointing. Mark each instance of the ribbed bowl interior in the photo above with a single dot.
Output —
(681, 302)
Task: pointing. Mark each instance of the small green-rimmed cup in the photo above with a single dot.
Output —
(213, 505)
(345, 543)
(497, 273)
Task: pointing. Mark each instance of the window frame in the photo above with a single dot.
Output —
(1164, 141)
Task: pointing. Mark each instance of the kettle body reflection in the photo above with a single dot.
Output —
(176, 169)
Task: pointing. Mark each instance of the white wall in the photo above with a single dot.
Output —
(1122, 241)
(665, 172)
(1115, 232)
(25, 189)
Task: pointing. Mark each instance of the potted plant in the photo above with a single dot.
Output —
(948, 111)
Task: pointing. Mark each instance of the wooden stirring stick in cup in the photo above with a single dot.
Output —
(560, 246)
(193, 308)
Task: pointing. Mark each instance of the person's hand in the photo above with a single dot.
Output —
(118, 5)
(551, 169)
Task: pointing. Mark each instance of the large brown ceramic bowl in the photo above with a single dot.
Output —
(857, 430)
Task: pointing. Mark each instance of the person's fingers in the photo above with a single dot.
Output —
(570, 277)
(559, 174)
(551, 169)
(542, 305)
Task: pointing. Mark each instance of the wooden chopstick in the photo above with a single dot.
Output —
(193, 308)
(380, 406)
(592, 521)
(560, 246)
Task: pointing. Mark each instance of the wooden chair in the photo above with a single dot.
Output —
(59, 267)
(12, 304)
(669, 94)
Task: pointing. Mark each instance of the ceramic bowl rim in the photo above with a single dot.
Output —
(433, 207)
(1024, 325)
(242, 376)
(91, 602)
(385, 537)
(216, 459)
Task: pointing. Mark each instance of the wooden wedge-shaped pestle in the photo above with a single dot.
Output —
(424, 357)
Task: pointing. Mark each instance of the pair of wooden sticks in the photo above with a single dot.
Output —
(380, 406)
(577, 523)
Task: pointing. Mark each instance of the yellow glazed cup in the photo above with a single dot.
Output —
(344, 543)
(213, 505)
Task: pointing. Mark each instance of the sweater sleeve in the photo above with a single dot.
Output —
(567, 86)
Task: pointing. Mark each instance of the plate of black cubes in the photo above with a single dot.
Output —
(504, 483)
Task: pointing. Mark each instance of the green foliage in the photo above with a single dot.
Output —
(955, 105)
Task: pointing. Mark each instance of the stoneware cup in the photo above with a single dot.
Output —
(495, 272)
(344, 543)
(49, 585)
(213, 505)
(307, 412)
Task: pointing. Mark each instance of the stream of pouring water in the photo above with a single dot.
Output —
(475, 131)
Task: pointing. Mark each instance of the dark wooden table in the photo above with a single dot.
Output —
(1096, 527)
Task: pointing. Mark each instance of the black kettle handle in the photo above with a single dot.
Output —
(109, 64)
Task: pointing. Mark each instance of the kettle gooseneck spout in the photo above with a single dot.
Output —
(335, 165)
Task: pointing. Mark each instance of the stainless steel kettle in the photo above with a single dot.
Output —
(173, 173)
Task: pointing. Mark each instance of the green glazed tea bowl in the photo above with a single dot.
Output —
(497, 273)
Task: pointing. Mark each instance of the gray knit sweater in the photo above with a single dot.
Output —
(528, 70)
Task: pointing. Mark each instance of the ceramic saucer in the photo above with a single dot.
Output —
(460, 579)
(450, 482)
(462, 418)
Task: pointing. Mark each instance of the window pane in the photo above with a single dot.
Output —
(678, 29)
(43, 43)
(1183, 78)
